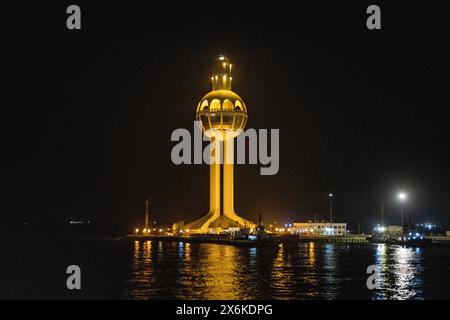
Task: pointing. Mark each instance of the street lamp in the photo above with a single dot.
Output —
(330, 195)
(402, 197)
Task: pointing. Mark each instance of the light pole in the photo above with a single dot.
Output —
(331, 206)
(402, 198)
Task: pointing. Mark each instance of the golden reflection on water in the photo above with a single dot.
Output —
(187, 251)
(219, 273)
(147, 251)
(181, 270)
(209, 272)
(311, 255)
(136, 249)
(283, 273)
(141, 270)
(309, 276)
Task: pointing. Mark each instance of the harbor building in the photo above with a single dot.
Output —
(320, 228)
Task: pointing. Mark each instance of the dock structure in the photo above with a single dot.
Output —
(208, 239)
(439, 239)
(335, 239)
(268, 242)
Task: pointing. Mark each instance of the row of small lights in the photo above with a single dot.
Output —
(282, 229)
(149, 230)
(224, 78)
(416, 236)
(224, 66)
(287, 227)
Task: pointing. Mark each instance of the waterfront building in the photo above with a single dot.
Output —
(320, 228)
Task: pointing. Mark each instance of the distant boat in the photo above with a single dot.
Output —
(411, 239)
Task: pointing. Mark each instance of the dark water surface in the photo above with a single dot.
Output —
(119, 269)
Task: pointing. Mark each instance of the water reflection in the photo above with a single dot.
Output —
(177, 270)
(406, 273)
(282, 273)
(141, 270)
(400, 272)
(329, 266)
(311, 255)
(309, 274)
(219, 273)
(187, 251)
(252, 257)
(381, 263)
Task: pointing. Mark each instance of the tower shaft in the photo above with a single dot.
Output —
(222, 185)
(214, 179)
(228, 178)
(222, 181)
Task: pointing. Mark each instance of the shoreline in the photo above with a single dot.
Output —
(268, 242)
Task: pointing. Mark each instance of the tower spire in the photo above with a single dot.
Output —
(221, 74)
(147, 204)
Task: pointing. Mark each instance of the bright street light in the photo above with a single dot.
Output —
(402, 196)
(330, 195)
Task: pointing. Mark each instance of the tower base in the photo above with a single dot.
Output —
(216, 223)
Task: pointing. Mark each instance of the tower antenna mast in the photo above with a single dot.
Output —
(147, 204)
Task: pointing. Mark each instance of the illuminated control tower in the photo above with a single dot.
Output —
(222, 116)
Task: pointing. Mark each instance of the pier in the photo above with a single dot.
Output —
(209, 239)
(268, 242)
(335, 239)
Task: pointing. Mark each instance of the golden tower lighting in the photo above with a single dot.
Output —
(222, 115)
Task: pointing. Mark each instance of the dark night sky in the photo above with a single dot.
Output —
(361, 113)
